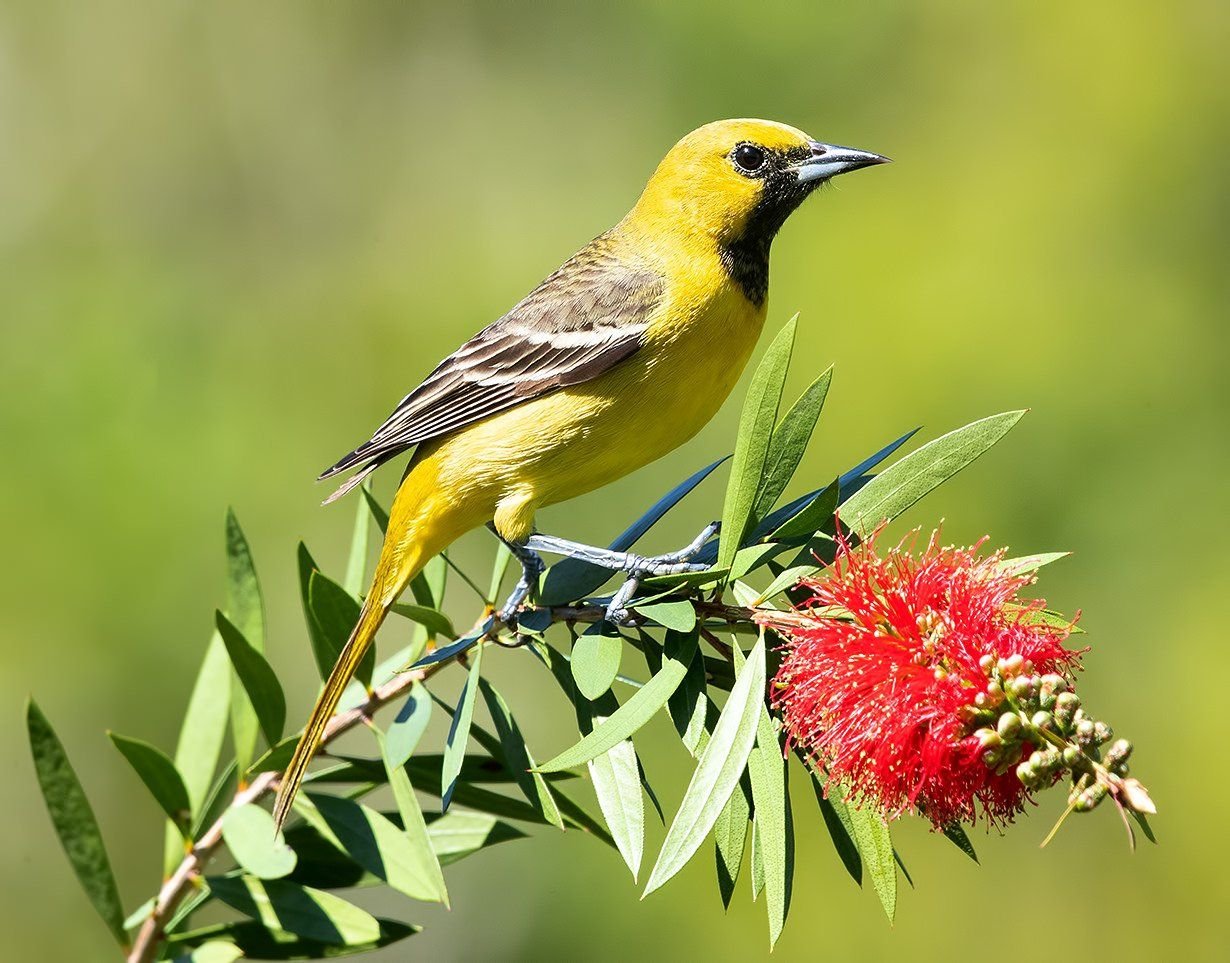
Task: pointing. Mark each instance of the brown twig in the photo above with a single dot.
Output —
(150, 936)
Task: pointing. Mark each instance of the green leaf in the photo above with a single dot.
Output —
(517, 756)
(1030, 563)
(811, 517)
(875, 845)
(422, 855)
(356, 562)
(458, 834)
(767, 769)
(689, 707)
(730, 839)
(310, 913)
(571, 579)
(408, 725)
(595, 659)
(212, 952)
(334, 613)
(74, 821)
(679, 615)
(459, 732)
(378, 845)
(379, 515)
(498, 569)
(246, 612)
(639, 709)
(718, 771)
(160, 776)
(201, 737)
(756, 422)
(956, 833)
(433, 620)
(259, 942)
(616, 776)
(255, 842)
(904, 482)
(786, 579)
(841, 829)
(257, 678)
(788, 444)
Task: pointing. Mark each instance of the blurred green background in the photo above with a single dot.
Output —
(232, 236)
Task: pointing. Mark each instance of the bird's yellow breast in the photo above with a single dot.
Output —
(579, 438)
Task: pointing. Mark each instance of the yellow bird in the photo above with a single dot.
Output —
(614, 360)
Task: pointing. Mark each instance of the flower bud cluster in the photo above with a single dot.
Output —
(1035, 725)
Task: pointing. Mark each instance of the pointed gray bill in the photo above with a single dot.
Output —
(829, 160)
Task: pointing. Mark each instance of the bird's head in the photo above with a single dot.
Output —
(737, 180)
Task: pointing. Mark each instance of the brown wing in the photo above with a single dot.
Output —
(580, 322)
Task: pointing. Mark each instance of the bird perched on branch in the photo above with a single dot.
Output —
(614, 360)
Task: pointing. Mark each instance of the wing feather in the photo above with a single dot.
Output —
(580, 322)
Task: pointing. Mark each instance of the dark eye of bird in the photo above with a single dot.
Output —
(748, 158)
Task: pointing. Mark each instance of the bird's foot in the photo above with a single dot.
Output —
(635, 566)
(532, 566)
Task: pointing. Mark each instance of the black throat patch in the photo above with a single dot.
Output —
(746, 258)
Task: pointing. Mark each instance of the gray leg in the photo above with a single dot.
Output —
(532, 567)
(636, 566)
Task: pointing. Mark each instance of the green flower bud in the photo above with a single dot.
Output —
(1028, 775)
(1072, 756)
(1085, 733)
(1043, 720)
(986, 664)
(1102, 732)
(1117, 755)
(1090, 797)
(1022, 688)
(1066, 706)
(1011, 666)
(1009, 726)
(989, 739)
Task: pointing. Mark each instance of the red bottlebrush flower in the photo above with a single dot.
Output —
(892, 663)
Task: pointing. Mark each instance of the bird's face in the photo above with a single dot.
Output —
(736, 178)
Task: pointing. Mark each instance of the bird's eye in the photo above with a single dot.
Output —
(748, 158)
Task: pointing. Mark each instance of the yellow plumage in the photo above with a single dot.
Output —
(696, 323)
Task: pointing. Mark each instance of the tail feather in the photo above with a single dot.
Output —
(370, 618)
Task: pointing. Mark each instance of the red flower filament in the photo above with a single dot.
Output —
(883, 668)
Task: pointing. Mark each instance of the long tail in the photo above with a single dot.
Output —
(417, 531)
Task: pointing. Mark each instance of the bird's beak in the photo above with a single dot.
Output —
(829, 160)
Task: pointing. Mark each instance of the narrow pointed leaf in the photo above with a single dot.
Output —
(74, 821)
(904, 482)
(382, 848)
(408, 726)
(498, 569)
(689, 707)
(616, 776)
(811, 517)
(257, 679)
(595, 659)
(159, 774)
(678, 615)
(875, 846)
(459, 732)
(752, 447)
(200, 737)
(767, 770)
(789, 443)
(517, 756)
(960, 839)
(356, 562)
(379, 515)
(841, 829)
(571, 579)
(458, 834)
(311, 913)
(258, 942)
(730, 840)
(1030, 563)
(423, 861)
(257, 846)
(433, 620)
(246, 612)
(717, 772)
(334, 613)
(639, 709)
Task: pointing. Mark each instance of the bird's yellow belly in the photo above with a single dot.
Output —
(582, 437)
